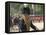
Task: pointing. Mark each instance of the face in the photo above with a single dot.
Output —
(16, 28)
(25, 5)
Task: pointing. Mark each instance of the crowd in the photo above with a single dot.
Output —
(17, 24)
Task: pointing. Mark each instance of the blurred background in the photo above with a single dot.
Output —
(36, 9)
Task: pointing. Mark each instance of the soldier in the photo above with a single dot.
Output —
(26, 18)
